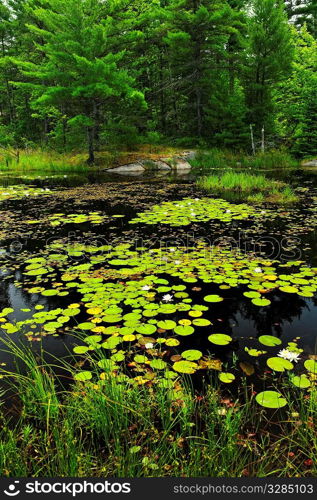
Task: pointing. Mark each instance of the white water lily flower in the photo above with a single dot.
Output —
(167, 298)
(149, 345)
(172, 249)
(177, 262)
(146, 287)
(257, 270)
(289, 355)
(228, 211)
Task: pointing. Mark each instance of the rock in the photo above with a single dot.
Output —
(154, 165)
(133, 168)
(311, 163)
(177, 163)
(188, 155)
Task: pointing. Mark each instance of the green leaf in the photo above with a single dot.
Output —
(227, 378)
(311, 365)
(158, 364)
(192, 355)
(213, 298)
(261, 302)
(270, 399)
(279, 364)
(166, 324)
(302, 381)
(220, 339)
(185, 367)
(184, 330)
(269, 340)
(83, 376)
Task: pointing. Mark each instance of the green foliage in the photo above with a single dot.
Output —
(119, 73)
(78, 73)
(131, 431)
(249, 185)
(296, 97)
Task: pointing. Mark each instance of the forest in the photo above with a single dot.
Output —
(115, 73)
(158, 241)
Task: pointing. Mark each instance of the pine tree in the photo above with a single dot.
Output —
(307, 141)
(78, 70)
(294, 97)
(269, 57)
(197, 40)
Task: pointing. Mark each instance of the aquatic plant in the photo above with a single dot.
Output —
(22, 191)
(255, 188)
(124, 313)
(76, 218)
(140, 431)
(188, 210)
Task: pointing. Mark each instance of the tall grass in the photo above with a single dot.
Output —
(256, 188)
(219, 159)
(118, 429)
(41, 161)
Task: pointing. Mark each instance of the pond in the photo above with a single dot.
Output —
(158, 276)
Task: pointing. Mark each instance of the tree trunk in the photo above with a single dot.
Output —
(91, 151)
(198, 111)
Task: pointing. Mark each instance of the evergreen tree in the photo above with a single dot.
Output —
(269, 57)
(78, 71)
(295, 95)
(197, 39)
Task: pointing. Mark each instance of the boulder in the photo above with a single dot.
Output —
(177, 163)
(310, 163)
(130, 168)
(189, 155)
(154, 165)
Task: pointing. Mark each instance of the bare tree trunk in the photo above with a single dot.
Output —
(252, 140)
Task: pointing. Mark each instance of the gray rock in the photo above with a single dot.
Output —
(311, 163)
(189, 155)
(181, 164)
(127, 169)
(177, 163)
(154, 165)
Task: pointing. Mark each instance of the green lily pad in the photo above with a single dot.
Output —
(184, 330)
(261, 302)
(302, 381)
(83, 376)
(220, 339)
(213, 298)
(311, 365)
(227, 378)
(192, 355)
(271, 399)
(279, 364)
(166, 324)
(185, 367)
(269, 340)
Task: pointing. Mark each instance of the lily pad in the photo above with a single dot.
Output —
(279, 364)
(269, 340)
(220, 339)
(271, 399)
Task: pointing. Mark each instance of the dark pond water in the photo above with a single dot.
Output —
(288, 235)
